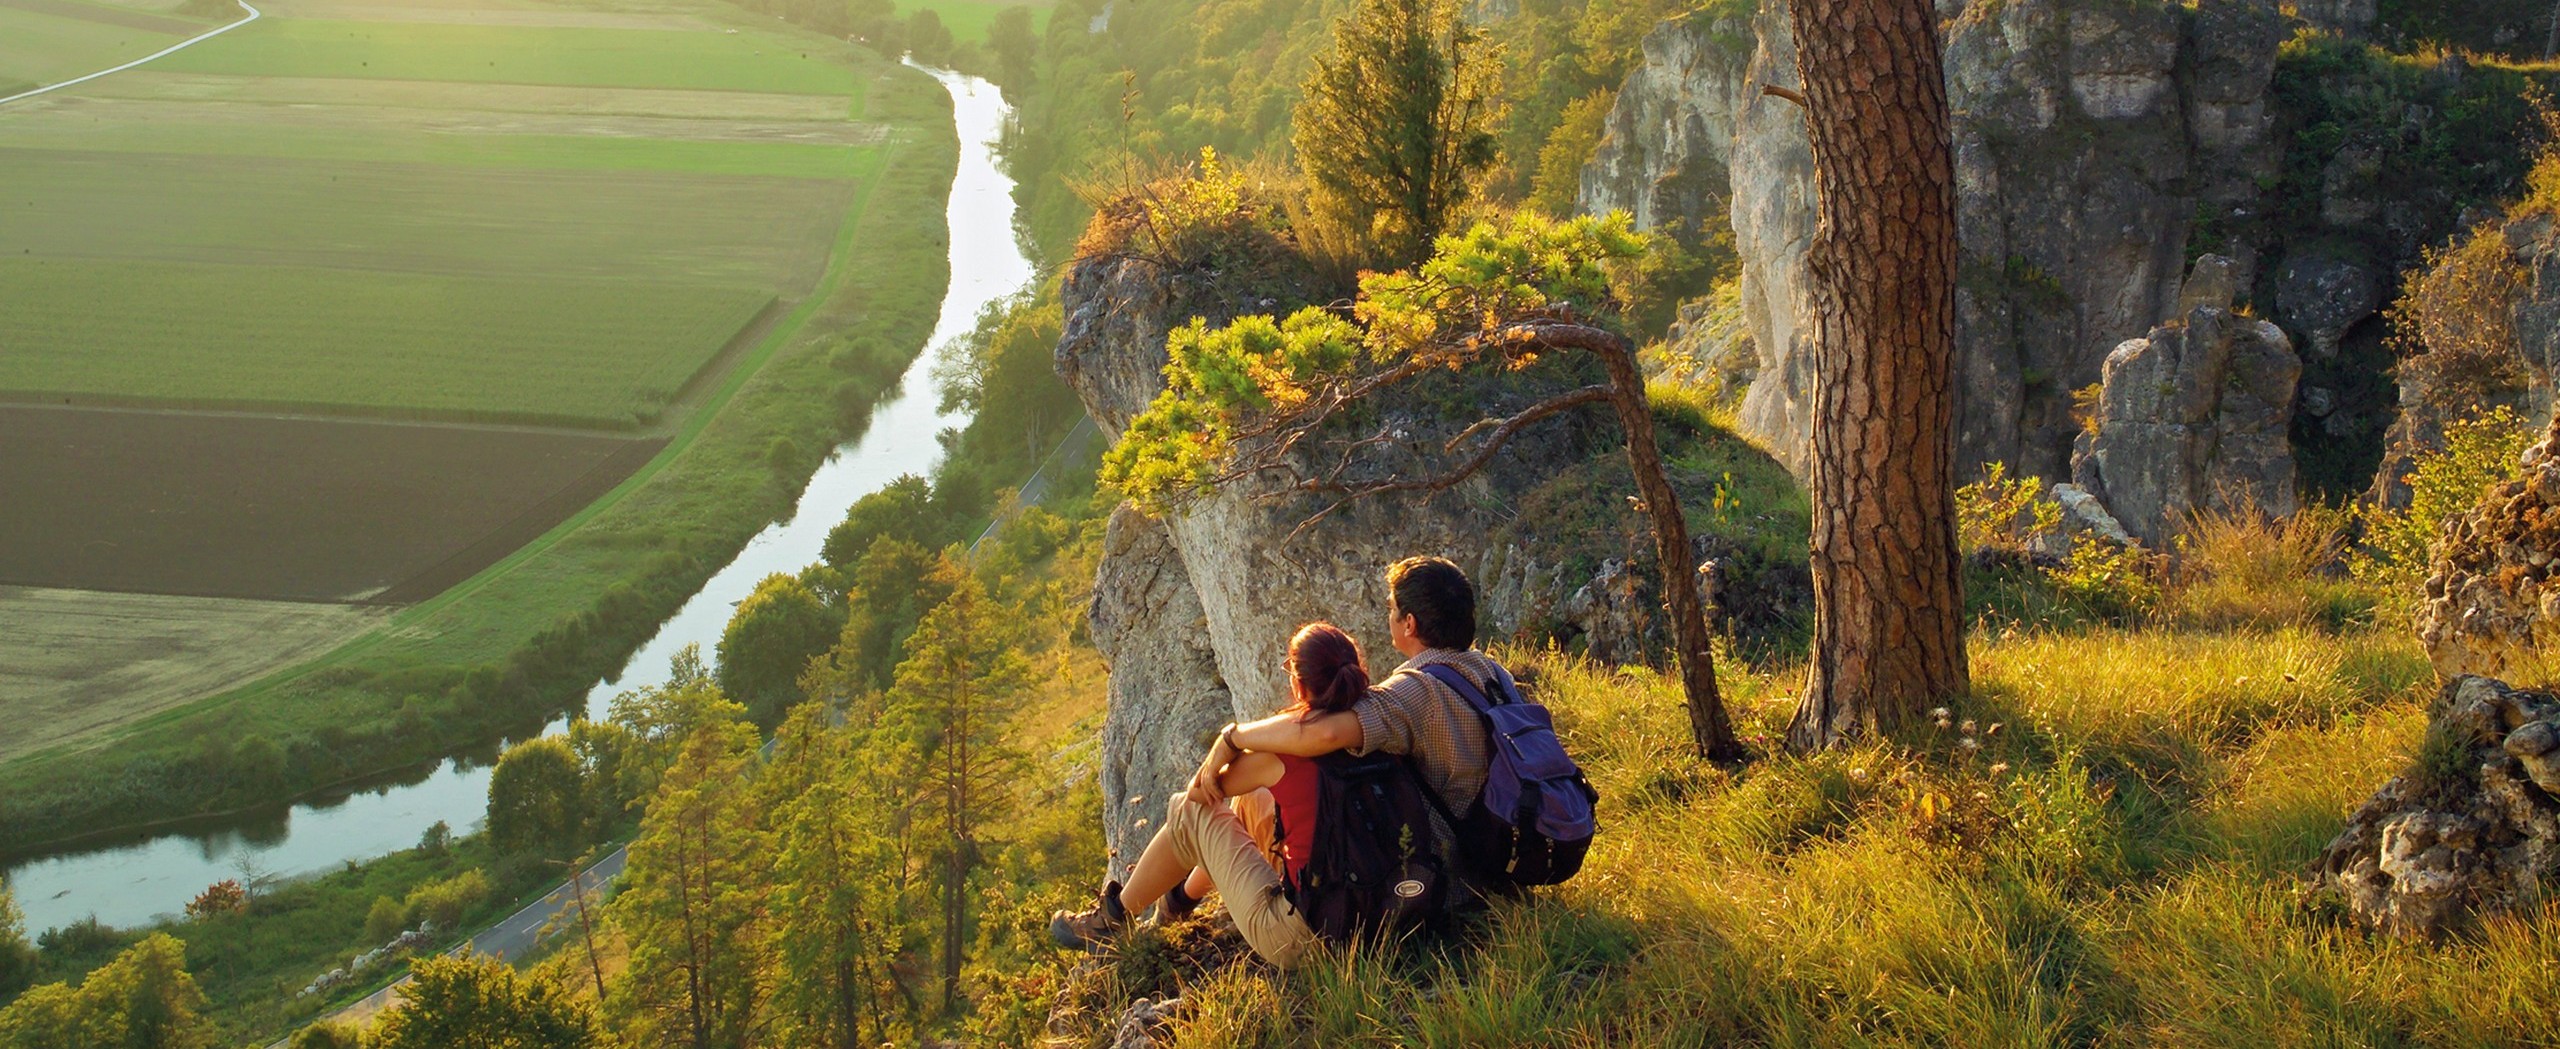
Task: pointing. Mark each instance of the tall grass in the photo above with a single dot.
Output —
(2113, 864)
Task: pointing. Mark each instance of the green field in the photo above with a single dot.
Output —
(38, 49)
(449, 208)
(764, 232)
(519, 55)
(606, 353)
(524, 152)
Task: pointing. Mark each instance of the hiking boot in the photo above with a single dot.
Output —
(1092, 928)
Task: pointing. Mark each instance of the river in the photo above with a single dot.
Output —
(135, 883)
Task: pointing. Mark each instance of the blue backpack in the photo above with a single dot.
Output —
(1532, 822)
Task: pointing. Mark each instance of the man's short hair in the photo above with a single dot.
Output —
(1438, 597)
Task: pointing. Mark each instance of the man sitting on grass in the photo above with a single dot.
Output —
(1431, 618)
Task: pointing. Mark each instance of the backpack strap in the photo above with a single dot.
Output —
(1467, 690)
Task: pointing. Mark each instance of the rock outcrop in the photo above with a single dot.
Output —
(2087, 138)
(2473, 830)
(2445, 385)
(1195, 611)
(1167, 699)
(2195, 417)
(2492, 603)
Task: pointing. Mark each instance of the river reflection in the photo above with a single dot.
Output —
(135, 882)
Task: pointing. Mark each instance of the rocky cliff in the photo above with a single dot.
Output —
(1195, 611)
(2088, 136)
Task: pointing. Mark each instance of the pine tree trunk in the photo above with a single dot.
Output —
(1710, 730)
(1888, 608)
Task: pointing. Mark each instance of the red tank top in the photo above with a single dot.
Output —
(1295, 797)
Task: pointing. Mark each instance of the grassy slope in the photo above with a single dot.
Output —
(2115, 865)
(608, 353)
(411, 692)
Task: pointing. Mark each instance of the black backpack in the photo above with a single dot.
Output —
(1375, 868)
(1532, 822)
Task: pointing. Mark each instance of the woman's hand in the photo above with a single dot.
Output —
(1204, 783)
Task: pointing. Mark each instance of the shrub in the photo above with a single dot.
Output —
(2242, 568)
(447, 902)
(2478, 452)
(385, 920)
(2002, 514)
(222, 897)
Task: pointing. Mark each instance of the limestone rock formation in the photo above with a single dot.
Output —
(2523, 379)
(2492, 604)
(2087, 138)
(1166, 697)
(2195, 417)
(2473, 830)
(1195, 612)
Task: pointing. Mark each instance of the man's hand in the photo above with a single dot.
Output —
(1204, 783)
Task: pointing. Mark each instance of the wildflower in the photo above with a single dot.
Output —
(1969, 744)
(1858, 774)
(1999, 768)
(1940, 713)
(1994, 730)
(1967, 727)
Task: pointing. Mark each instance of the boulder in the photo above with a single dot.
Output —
(2195, 417)
(2323, 296)
(2472, 830)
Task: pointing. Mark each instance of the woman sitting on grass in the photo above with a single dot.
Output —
(1234, 849)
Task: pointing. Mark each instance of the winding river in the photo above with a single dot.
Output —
(135, 883)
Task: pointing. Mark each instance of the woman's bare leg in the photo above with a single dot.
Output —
(1198, 886)
(1158, 870)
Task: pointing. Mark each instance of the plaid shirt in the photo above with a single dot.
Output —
(1413, 714)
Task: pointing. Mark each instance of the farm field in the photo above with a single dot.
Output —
(601, 353)
(222, 505)
(397, 334)
(81, 660)
(39, 45)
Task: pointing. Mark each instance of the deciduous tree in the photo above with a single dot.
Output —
(537, 797)
(769, 640)
(480, 1003)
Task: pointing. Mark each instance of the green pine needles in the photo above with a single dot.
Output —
(1258, 377)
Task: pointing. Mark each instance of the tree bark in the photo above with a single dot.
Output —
(1888, 606)
(1710, 729)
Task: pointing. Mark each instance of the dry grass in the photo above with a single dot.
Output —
(2112, 866)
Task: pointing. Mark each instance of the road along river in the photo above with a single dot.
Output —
(134, 883)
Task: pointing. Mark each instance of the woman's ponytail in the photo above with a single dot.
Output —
(1328, 664)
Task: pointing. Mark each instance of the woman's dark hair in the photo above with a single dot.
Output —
(1328, 662)
(1438, 597)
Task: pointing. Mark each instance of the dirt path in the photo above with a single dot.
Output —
(162, 53)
